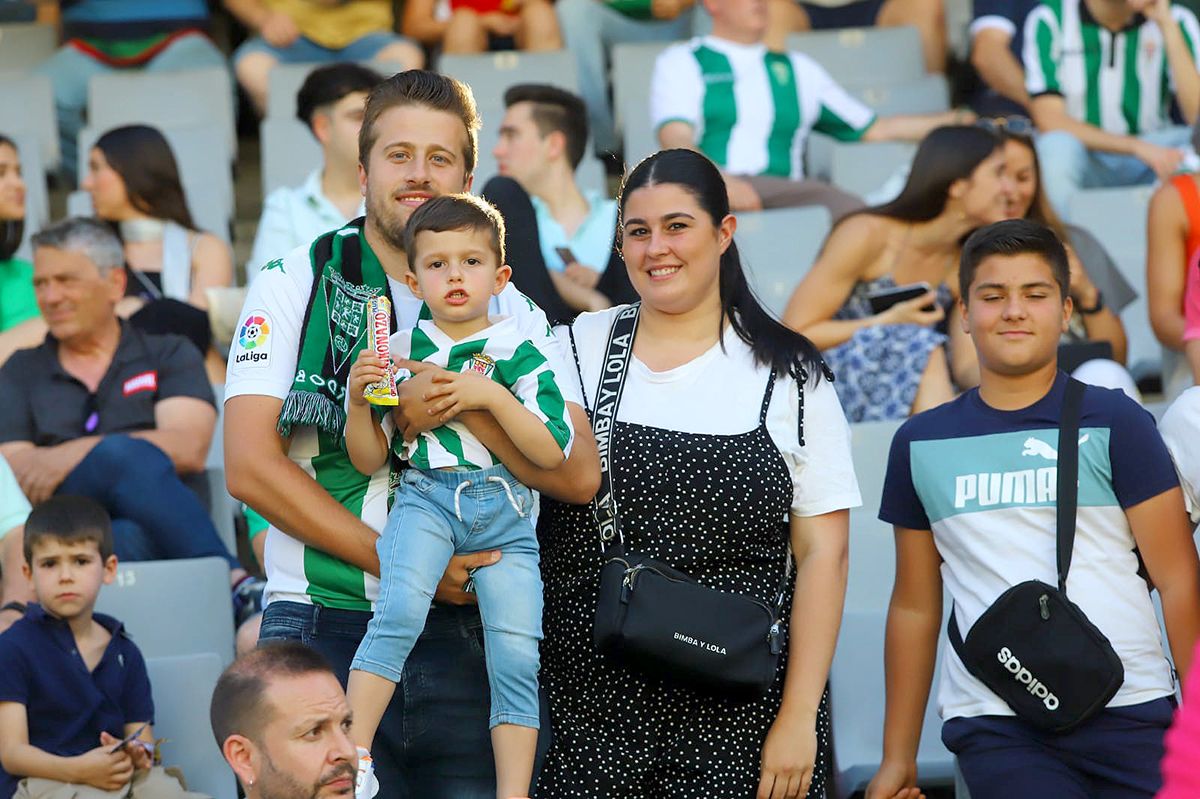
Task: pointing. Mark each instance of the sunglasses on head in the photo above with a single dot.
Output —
(1013, 126)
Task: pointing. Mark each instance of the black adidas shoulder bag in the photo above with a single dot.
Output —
(1033, 646)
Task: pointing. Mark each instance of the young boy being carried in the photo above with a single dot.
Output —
(971, 490)
(456, 497)
(75, 704)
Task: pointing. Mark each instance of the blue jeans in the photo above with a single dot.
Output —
(1068, 165)
(306, 51)
(1115, 755)
(70, 70)
(441, 513)
(590, 29)
(155, 516)
(433, 740)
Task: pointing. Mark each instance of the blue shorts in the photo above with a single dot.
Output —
(306, 51)
(1113, 756)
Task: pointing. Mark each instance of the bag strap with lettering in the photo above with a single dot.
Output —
(613, 371)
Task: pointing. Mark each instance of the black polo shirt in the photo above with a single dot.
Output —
(41, 403)
(66, 705)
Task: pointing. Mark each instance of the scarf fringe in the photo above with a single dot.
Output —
(310, 408)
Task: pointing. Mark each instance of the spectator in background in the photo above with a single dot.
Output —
(103, 410)
(330, 103)
(15, 590)
(305, 32)
(477, 26)
(927, 16)
(1094, 347)
(559, 237)
(17, 302)
(134, 185)
(1102, 75)
(893, 363)
(751, 110)
(997, 41)
(591, 28)
(281, 720)
(1173, 276)
(104, 36)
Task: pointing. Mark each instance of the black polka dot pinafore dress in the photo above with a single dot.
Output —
(714, 506)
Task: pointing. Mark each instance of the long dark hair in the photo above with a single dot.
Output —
(141, 156)
(1040, 209)
(945, 155)
(773, 344)
(11, 230)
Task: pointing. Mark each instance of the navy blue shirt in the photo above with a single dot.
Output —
(67, 706)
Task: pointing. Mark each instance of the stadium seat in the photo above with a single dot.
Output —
(174, 607)
(182, 687)
(490, 74)
(288, 151)
(37, 200)
(861, 168)
(203, 160)
(24, 46)
(27, 106)
(872, 555)
(632, 68)
(862, 57)
(179, 99)
(928, 94)
(856, 703)
(285, 80)
(775, 263)
(1117, 218)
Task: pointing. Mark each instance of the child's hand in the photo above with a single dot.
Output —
(102, 768)
(465, 391)
(367, 369)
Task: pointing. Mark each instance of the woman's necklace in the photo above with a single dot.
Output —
(141, 229)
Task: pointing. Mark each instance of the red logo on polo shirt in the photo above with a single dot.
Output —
(146, 381)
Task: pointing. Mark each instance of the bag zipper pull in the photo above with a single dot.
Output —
(773, 637)
(627, 584)
(1044, 601)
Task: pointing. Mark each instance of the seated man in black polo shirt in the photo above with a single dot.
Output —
(102, 410)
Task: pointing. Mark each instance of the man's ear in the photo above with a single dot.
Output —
(962, 315)
(321, 123)
(242, 756)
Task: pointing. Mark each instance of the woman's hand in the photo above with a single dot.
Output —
(1081, 288)
(788, 757)
(913, 312)
(895, 781)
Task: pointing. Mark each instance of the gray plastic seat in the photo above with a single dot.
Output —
(1117, 218)
(202, 157)
(289, 152)
(182, 687)
(285, 80)
(926, 94)
(490, 74)
(24, 45)
(201, 98)
(174, 607)
(860, 57)
(632, 70)
(778, 248)
(27, 106)
(863, 167)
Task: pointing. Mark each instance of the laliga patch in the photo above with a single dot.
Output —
(480, 363)
(254, 340)
(146, 381)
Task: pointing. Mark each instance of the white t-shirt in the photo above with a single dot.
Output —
(1180, 428)
(720, 393)
(263, 361)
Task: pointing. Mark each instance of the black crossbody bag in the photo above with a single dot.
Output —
(1033, 646)
(654, 617)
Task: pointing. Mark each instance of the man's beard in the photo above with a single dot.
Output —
(275, 784)
(386, 218)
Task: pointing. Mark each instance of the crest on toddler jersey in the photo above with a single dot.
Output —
(480, 363)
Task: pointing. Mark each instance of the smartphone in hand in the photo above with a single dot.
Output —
(567, 256)
(882, 300)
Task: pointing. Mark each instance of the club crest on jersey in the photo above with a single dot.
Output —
(480, 363)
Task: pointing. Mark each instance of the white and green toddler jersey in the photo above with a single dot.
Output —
(1119, 81)
(752, 109)
(502, 352)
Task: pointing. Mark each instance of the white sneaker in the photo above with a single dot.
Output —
(365, 784)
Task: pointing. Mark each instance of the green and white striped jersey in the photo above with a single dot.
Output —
(752, 109)
(502, 352)
(1118, 82)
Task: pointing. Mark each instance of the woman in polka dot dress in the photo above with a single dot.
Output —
(713, 473)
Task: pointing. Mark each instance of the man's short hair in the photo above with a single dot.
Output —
(327, 85)
(455, 212)
(92, 237)
(70, 520)
(421, 87)
(1013, 237)
(554, 109)
(239, 703)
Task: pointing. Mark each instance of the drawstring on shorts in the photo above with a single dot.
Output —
(512, 500)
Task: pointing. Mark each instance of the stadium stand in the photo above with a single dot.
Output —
(776, 263)
(27, 106)
(24, 45)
